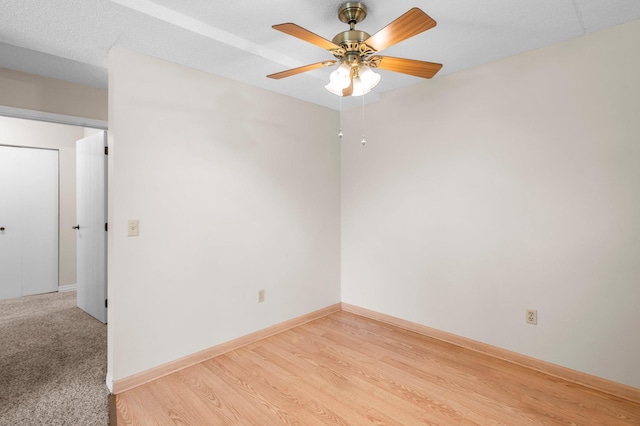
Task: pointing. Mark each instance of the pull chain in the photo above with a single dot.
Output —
(363, 141)
(340, 134)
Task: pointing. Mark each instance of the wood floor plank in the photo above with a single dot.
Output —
(404, 384)
(344, 369)
(268, 411)
(146, 409)
(284, 392)
(342, 395)
(323, 407)
(357, 363)
(187, 403)
(211, 392)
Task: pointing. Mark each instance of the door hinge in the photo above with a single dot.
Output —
(106, 226)
(105, 303)
(106, 150)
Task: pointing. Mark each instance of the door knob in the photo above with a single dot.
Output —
(76, 227)
(1, 228)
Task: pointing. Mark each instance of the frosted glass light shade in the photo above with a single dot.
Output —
(369, 78)
(339, 79)
(359, 89)
(341, 76)
(333, 88)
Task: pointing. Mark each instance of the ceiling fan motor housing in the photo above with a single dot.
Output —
(352, 41)
(350, 37)
(353, 44)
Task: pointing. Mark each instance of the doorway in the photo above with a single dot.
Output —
(61, 138)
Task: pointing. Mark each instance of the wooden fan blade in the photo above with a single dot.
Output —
(411, 23)
(348, 91)
(407, 66)
(294, 71)
(306, 35)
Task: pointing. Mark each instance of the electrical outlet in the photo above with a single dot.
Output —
(532, 316)
(260, 296)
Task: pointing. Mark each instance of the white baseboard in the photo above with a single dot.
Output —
(70, 287)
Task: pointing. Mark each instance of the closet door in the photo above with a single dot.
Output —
(40, 221)
(10, 224)
(29, 243)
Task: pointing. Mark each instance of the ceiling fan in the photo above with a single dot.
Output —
(355, 50)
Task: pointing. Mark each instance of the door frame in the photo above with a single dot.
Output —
(50, 117)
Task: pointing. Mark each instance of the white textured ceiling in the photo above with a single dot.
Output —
(70, 39)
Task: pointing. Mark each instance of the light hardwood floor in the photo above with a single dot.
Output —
(345, 369)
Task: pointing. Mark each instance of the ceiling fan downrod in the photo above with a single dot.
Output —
(352, 13)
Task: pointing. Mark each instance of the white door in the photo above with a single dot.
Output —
(91, 212)
(28, 221)
(10, 226)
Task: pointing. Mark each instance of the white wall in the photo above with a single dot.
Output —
(37, 134)
(510, 186)
(31, 92)
(236, 189)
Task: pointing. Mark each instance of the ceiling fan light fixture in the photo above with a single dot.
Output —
(368, 77)
(364, 80)
(339, 79)
(359, 88)
(334, 88)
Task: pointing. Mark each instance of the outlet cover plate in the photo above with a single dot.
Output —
(532, 316)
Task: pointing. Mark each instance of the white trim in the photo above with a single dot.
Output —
(109, 382)
(65, 288)
(52, 118)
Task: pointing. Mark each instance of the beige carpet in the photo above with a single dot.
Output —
(52, 363)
